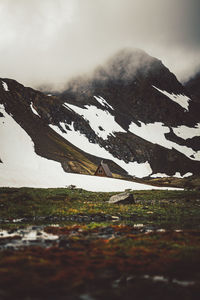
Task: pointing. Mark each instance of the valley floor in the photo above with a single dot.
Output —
(72, 244)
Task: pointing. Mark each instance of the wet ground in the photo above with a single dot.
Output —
(56, 235)
(88, 250)
(112, 260)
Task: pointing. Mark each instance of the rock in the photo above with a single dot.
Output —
(65, 166)
(71, 187)
(123, 198)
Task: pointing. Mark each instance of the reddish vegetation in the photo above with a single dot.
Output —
(77, 261)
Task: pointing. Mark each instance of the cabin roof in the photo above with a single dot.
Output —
(106, 169)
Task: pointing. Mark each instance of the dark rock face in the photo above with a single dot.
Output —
(123, 198)
(193, 86)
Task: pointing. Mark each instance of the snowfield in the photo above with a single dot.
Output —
(186, 132)
(177, 175)
(23, 167)
(152, 132)
(182, 100)
(155, 133)
(101, 121)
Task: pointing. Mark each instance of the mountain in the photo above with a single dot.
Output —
(131, 112)
(193, 86)
(33, 112)
(157, 115)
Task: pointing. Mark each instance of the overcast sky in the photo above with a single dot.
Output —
(48, 41)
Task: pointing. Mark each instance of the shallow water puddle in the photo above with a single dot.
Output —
(183, 283)
(115, 259)
(47, 236)
(54, 234)
(29, 236)
(154, 279)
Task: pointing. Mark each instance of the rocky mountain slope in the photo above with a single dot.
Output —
(193, 86)
(131, 111)
(157, 115)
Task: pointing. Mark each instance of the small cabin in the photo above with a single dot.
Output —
(103, 170)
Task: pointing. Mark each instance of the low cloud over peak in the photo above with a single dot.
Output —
(48, 42)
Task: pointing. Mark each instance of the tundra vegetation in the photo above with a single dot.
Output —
(71, 243)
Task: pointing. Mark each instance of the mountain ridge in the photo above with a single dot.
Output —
(142, 124)
(193, 86)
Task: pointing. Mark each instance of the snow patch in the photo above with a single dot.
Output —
(5, 86)
(81, 141)
(160, 175)
(186, 132)
(98, 120)
(152, 132)
(177, 175)
(34, 110)
(182, 100)
(155, 133)
(103, 102)
(188, 174)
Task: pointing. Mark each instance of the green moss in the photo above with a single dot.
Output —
(158, 207)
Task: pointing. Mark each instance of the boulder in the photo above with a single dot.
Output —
(71, 187)
(123, 198)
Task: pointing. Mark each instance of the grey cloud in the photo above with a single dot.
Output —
(47, 42)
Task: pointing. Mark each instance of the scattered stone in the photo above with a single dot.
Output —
(115, 218)
(123, 198)
(138, 226)
(145, 207)
(71, 187)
